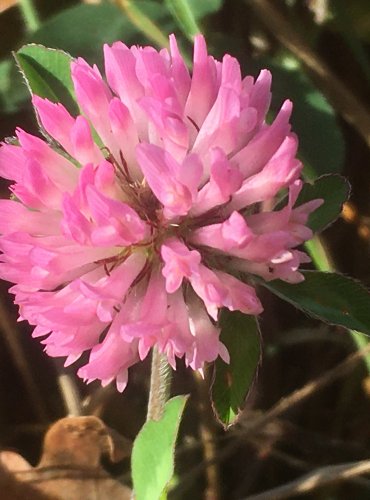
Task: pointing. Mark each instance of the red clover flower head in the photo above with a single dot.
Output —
(137, 239)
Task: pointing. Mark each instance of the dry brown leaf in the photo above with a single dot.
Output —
(14, 462)
(81, 441)
(6, 4)
(70, 468)
(12, 488)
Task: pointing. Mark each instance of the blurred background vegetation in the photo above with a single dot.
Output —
(318, 52)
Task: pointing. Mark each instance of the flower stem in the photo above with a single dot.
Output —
(30, 15)
(151, 30)
(160, 382)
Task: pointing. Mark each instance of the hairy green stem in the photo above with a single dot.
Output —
(30, 15)
(160, 381)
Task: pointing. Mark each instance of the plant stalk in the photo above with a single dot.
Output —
(151, 30)
(160, 383)
(30, 15)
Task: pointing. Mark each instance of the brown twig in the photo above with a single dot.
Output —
(300, 395)
(68, 388)
(70, 395)
(322, 476)
(207, 436)
(341, 97)
(11, 337)
(297, 463)
(283, 405)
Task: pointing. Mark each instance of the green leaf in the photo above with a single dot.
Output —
(185, 16)
(83, 29)
(152, 461)
(13, 91)
(334, 190)
(204, 7)
(47, 73)
(240, 333)
(321, 143)
(331, 297)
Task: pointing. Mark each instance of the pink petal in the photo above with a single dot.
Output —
(111, 358)
(11, 162)
(83, 147)
(57, 168)
(260, 95)
(180, 73)
(204, 84)
(162, 173)
(125, 135)
(232, 234)
(265, 143)
(220, 125)
(180, 262)
(16, 217)
(56, 120)
(120, 68)
(279, 172)
(93, 97)
(218, 290)
(225, 180)
(207, 346)
(116, 222)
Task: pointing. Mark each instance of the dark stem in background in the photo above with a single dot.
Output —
(160, 384)
(11, 337)
(30, 15)
(276, 411)
(69, 393)
(340, 96)
(207, 429)
(317, 478)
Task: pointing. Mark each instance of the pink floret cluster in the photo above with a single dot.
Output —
(131, 226)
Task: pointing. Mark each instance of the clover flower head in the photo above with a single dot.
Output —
(132, 226)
